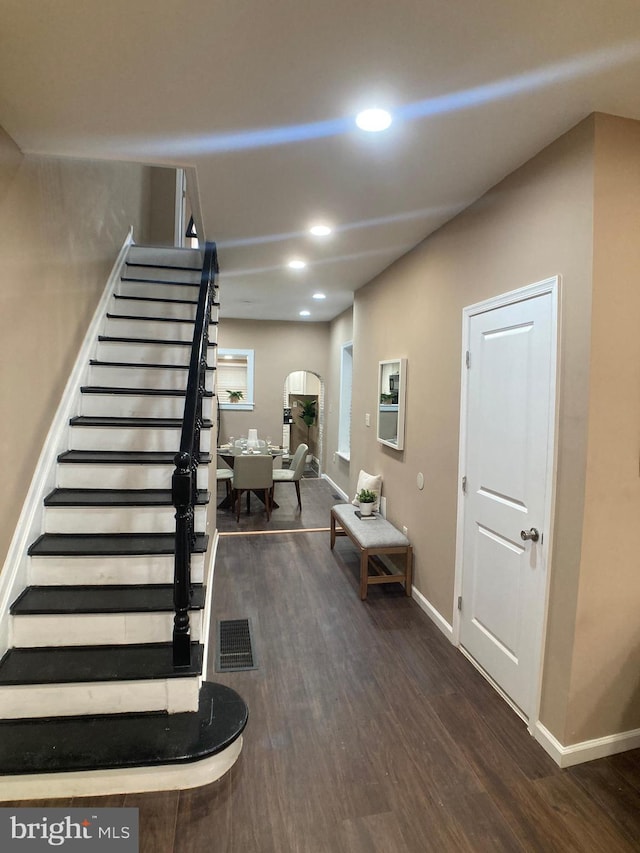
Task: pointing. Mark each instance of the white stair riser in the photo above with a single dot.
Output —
(99, 697)
(116, 327)
(151, 289)
(161, 274)
(116, 519)
(130, 438)
(150, 308)
(165, 255)
(58, 571)
(98, 629)
(134, 406)
(165, 378)
(77, 476)
(144, 353)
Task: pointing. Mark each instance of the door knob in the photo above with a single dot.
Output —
(530, 534)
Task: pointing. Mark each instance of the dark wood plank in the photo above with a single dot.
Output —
(157, 813)
(593, 829)
(611, 791)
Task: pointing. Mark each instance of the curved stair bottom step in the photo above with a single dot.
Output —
(95, 756)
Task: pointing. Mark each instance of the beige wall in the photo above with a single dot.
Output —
(535, 224)
(605, 678)
(341, 333)
(162, 202)
(62, 223)
(279, 348)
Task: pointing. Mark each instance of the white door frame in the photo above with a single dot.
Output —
(180, 225)
(552, 286)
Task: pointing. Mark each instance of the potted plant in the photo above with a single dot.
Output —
(386, 398)
(366, 499)
(235, 396)
(308, 415)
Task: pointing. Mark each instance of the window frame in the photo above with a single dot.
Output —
(344, 411)
(248, 404)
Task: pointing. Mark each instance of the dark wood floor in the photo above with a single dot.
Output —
(369, 732)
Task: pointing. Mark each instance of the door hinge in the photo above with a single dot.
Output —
(459, 602)
(464, 485)
(467, 358)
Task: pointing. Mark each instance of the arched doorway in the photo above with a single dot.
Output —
(304, 394)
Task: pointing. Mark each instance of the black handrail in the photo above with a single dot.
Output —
(184, 485)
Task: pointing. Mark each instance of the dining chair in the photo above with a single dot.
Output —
(293, 474)
(253, 473)
(225, 475)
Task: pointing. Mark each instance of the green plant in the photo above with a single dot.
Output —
(235, 396)
(308, 414)
(366, 496)
(386, 398)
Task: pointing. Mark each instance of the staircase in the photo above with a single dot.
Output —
(91, 700)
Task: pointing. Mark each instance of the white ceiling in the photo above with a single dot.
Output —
(260, 96)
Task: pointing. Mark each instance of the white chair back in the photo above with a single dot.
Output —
(253, 472)
(297, 463)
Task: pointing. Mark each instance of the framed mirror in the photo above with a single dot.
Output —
(392, 386)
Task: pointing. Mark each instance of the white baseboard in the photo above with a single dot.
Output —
(335, 486)
(436, 617)
(587, 750)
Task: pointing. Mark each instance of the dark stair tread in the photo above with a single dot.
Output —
(123, 457)
(91, 420)
(120, 340)
(116, 497)
(160, 299)
(147, 265)
(94, 362)
(73, 664)
(154, 299)
(133, 280)
(155, 319)
(137, 392)
(123, 740)
(108, 544)
(115, 598)
(160, 341)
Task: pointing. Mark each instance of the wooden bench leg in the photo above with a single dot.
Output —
(408, 571)
(333, 530)
(364, 573)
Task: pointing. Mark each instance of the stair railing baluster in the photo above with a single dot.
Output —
(184, 485)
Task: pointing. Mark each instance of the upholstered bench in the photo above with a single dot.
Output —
(373, 537)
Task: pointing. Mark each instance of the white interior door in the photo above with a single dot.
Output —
(510, 403)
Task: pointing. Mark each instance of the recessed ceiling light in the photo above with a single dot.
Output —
(305, 313)
(320, 230)
(319, 296)
(373, 120)
(297, 264)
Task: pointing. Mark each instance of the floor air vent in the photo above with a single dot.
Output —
(235, 646)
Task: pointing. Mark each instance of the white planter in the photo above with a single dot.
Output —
(366, 509)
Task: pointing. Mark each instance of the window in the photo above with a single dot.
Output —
(344, 417)
(234, 373)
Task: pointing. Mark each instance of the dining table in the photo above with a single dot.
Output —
(229, 454)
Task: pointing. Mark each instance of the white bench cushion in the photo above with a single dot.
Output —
(372, 533)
